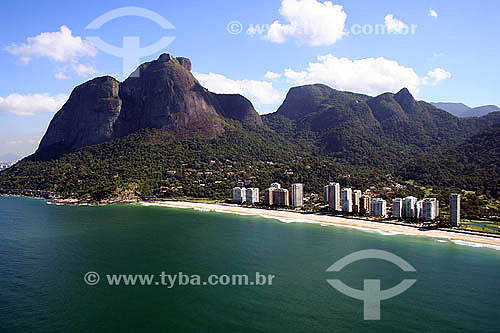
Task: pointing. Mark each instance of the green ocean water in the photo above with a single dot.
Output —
(46, 250)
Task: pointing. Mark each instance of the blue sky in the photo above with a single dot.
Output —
(452, 56)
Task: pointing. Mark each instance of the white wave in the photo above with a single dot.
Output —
(477, 245)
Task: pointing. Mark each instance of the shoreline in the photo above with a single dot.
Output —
(324, 220)
(384, 228)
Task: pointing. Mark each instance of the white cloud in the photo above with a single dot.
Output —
(28, 105)
(85, 70)
(272, 75)
(14, 142)
(60, 46)
(29, 141)
(395, 26)
(435, 76)
(433, 13)
(309, 21)
(260, 92)
(62, 76)
(370, 76)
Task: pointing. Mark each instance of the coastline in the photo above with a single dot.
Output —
(324, 220)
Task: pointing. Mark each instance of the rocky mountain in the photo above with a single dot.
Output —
(364, 130)
(165, 96)
(116, 137)
(464, 111)
(482, 111)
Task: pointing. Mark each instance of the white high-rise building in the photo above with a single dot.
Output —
(326, 192)
(430, 209)
(419, 209)
(239, 194)
(409, 207)
(455, 209)
(297, 195)
(334, 196)
(356, 196)
(252, 195)
(276, 185)
(397, 208)
(346, 197)
(379, 207)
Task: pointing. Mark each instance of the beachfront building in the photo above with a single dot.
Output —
(455, 210)
(252, 195)
(297, 195)
(419, 209)
(356, 196)
(346, 199)
(276, 185)
(326, 192)
(268, 196)
(397, 208)
(334, 196)
(409, 204)
(239, 194)
(365, 205)
(430, 209)
(281, 197)
(379, 207)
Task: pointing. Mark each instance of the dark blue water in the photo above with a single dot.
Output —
(46, 250)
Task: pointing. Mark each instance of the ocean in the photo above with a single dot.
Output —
(46, 252)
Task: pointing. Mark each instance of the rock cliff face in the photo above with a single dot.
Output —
(87, 118)
(164, 96)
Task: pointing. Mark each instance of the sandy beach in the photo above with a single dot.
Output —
(289, 217)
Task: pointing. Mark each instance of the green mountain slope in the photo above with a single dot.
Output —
(470, 165)
(380, 131)
(142, 163)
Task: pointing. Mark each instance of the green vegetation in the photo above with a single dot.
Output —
(153, 163)
(472, 165)
(392, 143)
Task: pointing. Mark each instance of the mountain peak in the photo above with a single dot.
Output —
(404, 93)
(404, 98)
(164, 96)
(165, 57)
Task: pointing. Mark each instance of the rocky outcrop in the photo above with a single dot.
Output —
(185, 62)
(164, 96)
(87, 118)
(237, 107)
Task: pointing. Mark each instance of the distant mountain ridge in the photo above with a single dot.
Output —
(463, 111)
(369, 130)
